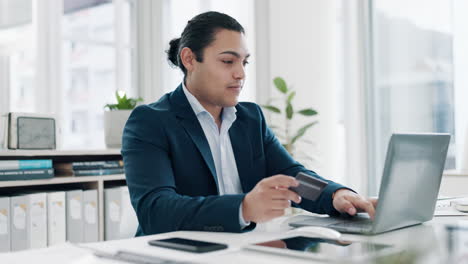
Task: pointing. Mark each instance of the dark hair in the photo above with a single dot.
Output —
(198, 34)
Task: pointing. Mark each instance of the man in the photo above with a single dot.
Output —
(199, 160)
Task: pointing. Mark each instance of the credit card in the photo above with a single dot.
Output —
(309, 187)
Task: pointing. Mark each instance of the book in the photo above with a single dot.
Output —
(25, 164)
(98, 172)
(14, 175)
(89, 165)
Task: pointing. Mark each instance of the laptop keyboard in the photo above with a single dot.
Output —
(360, 225)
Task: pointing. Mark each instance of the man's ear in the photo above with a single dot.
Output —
(187, 58)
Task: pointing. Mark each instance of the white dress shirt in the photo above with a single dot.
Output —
(221, 147)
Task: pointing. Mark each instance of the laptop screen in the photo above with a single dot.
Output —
(411, 179)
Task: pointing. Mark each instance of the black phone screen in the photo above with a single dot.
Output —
(187, 244)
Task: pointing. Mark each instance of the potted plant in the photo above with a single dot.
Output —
(115, 118)
(284, 132)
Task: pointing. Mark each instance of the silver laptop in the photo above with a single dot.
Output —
(408, 190)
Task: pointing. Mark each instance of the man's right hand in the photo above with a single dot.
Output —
(269, 198)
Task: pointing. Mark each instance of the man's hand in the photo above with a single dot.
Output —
(346, 201)
(269, 198)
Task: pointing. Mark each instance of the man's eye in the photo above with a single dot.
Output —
(227, 61)
(246, 62)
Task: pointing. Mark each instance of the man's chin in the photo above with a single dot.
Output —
(233, 103)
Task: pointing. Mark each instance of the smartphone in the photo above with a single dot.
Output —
(189, 245)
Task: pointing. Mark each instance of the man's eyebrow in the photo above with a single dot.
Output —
(234, 54)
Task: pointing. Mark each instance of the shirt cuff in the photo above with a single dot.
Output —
(242, 222)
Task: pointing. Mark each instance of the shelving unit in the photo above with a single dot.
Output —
(62, 182)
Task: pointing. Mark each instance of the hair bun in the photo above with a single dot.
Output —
(173, 52)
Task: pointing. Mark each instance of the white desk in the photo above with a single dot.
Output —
(429, 237)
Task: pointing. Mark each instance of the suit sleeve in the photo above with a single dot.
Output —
(279, 161)
(150, 179)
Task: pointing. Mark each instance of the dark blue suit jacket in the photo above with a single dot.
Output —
(171, 174)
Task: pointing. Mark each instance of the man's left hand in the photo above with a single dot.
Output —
(346, 201)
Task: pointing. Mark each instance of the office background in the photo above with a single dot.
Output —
(370, 68)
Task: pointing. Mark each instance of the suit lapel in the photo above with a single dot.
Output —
(241, 145)
(193, 128)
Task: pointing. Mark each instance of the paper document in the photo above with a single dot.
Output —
(445, 207)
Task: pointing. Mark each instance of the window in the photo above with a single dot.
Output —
(96, 62)
(412, 75)
(17, 55)
(85, 56)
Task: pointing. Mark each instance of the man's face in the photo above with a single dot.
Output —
(218, 80)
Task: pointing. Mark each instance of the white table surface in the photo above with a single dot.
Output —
(429, 237)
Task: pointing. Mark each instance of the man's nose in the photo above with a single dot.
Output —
(239, 73)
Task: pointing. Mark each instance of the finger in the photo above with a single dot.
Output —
(280, 204)
(286, 194)
(275, 213)
(363, 205)
(280, 181)
(345, 206)
(374, 202)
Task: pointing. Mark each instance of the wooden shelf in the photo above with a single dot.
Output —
(62, 180)
(63, 183)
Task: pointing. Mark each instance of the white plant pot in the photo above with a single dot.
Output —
(114, 122)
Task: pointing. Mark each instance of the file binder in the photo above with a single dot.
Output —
(37, 220)
(112, 213)
(19, 209)
(56, 218)
(120, 219)
(74, 211)
(5, 224)
(129, 220)
(90, 216)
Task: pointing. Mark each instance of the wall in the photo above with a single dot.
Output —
(302, 50)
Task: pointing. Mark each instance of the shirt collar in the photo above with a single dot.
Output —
(229, 113)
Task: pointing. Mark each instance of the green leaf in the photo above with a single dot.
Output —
(308, 112)
(291, 96)
(123, 102)
(272, 108)
(280, 85)
(289, 111)
(302, 131)
(111, 106)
